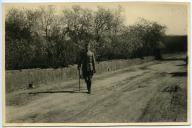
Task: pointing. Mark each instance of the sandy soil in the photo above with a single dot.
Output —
(149, 92)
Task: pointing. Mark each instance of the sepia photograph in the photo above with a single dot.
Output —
(74, 64)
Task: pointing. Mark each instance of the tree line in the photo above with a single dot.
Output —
(44, 38)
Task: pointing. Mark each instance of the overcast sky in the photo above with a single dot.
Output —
(174, 16)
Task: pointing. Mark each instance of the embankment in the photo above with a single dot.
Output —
(20, 79)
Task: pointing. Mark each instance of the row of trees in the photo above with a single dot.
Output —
(44, 37)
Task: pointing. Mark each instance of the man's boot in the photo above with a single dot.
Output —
(89, 87)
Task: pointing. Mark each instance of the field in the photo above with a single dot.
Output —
(132, 91)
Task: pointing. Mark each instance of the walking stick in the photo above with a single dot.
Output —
(79, 79)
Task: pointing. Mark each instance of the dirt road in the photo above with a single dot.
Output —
(149, 92)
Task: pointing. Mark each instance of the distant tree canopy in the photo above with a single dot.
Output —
(42, 38)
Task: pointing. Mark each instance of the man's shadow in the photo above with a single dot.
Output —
(72, 91)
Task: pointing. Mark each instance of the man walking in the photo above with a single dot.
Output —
(87, 64)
